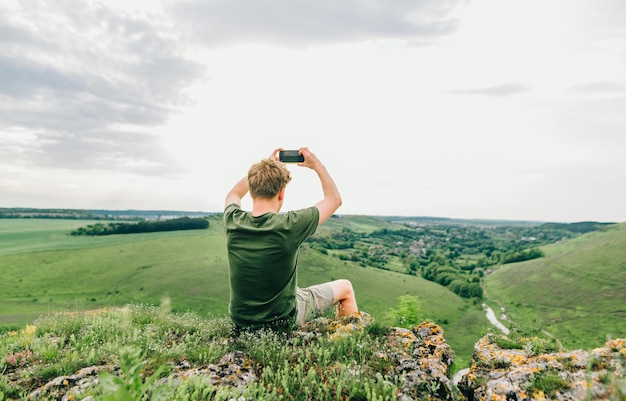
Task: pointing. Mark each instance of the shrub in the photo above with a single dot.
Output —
(407, 314)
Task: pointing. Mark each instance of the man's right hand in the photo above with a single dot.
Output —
(310, 160)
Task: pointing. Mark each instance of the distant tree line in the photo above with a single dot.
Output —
(93, 214)
(145, 226)
(30, 213)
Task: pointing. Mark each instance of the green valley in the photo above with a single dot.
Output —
(576, 293)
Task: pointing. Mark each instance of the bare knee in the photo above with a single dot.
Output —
(344, 297)
(342, 289)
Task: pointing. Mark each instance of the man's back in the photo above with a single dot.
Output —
(262, 255)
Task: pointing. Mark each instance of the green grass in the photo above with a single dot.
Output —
(45, 270)
(95, 272)
(577, 292)
(151, 337)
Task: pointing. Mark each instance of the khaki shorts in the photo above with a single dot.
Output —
(313, 301)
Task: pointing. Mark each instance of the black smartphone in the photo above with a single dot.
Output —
(290, 156)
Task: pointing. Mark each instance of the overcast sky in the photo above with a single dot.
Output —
(489, 109)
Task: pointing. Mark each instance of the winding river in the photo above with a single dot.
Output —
(491, 316)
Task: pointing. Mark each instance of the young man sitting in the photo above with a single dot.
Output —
(263, 249)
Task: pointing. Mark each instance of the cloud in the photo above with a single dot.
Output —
(86, 81)
(302, 22)
(603, 19)
(599, 88)
(496, 91)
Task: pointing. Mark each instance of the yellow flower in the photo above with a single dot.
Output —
(29, 330)
(27, 335)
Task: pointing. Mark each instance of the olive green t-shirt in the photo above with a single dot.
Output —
(263, 261)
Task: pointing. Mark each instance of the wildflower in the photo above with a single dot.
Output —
(27, 335)
(21, 358)
(29, 330)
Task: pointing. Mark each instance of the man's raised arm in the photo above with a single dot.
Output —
(237, 193)
(332, 197)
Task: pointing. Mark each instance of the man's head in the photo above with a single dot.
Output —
(267, 177)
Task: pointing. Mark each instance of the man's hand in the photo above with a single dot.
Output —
(310, 160)
(274, 154)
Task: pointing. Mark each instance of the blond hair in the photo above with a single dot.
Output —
(267, 177)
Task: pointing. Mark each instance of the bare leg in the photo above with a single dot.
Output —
(344, 297)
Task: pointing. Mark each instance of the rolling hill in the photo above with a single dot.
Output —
(576, 293)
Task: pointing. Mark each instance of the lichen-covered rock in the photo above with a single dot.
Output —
(503, 373)
(234, 369)
(336, 328)
(66, 387)
(423, 360)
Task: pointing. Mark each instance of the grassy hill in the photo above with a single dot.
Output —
(46, 270)
(577, 292)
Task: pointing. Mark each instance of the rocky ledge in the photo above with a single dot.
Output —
(516, 369)
(420, 359)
